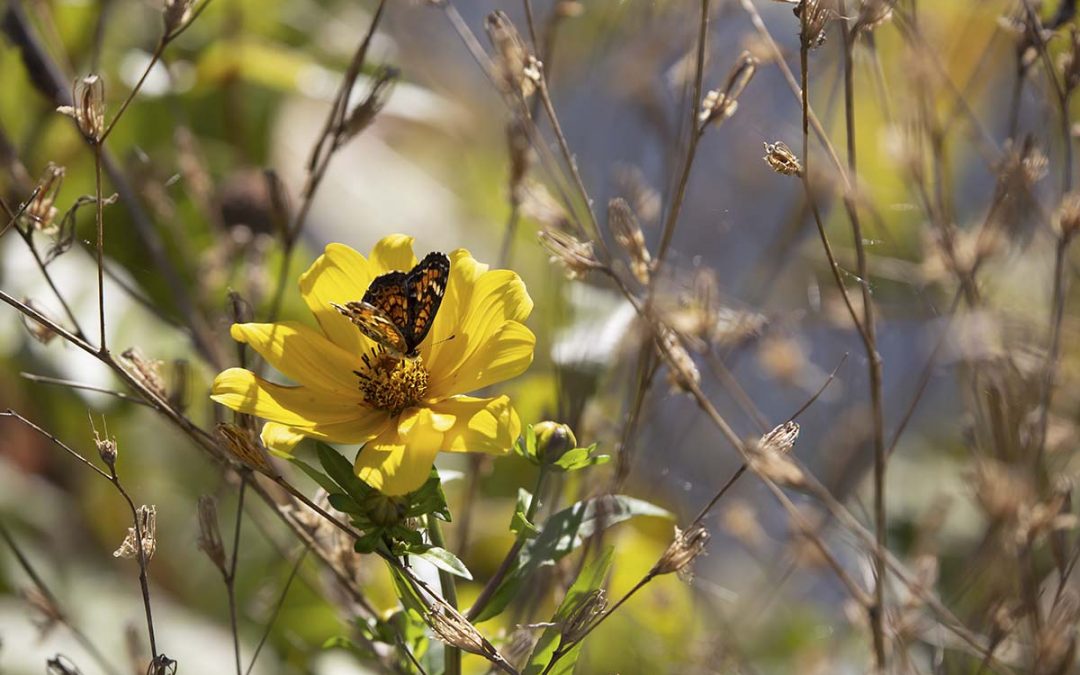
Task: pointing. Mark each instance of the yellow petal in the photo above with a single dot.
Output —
(506, 353)
(279, 437)
(243, 391)
(483, 424)
(397, 463)
(302, 354)
(339, 275)
(283, 438)
(393, 252)
(477, 304)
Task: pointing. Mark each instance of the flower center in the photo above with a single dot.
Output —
(392, 384)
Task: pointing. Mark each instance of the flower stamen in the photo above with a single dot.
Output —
(392, 384)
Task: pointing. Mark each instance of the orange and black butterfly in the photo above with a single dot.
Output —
(398, 309)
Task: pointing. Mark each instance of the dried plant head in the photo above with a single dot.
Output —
(146, 371)
(517, 71)
(683, 373)
(1021, 168)
(583, 616)
(768, 456)
(1055, 640)
(41, 211)
(721, 104)
(814, 17)
(455, 630)
(88, 107)
(958, 253)
(626, 230)
(575, 256)
(242, 446)
(781, 159)
(365, 112)
(209, 541)
(106, 447)
(872, 14)
(146, 518)
(1067, 218)
(176, 14)
(682, 551)
(1000, 491)
(39, 331)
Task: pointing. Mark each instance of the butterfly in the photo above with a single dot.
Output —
(398, 308)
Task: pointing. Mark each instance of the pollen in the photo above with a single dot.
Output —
(390, 383)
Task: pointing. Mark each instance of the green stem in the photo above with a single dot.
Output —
(451, 655)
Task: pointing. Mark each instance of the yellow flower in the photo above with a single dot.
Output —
(403, 411)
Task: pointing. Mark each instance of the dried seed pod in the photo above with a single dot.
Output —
(146, 518)
(584, 615)
(41, 210)
(364, 114)
(243, 447)
(768, 456)
(683, 550)
(456, 631)
(721, 104)
(176, 14)
(576, 256)
(209, 533)
(147, 371)
(682, 371)
(813, 17)
(626, 229)
(518, 72)
(88, 107)
(782, 160)
(39, 331)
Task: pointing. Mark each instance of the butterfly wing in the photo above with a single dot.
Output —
(426, 286)
(383, 312)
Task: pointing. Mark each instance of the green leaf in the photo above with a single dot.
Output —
(369, 542)
(341, 471)
(520, 524)
(579, 458)
(441, 558)
(561, 534)
(429, 498)
(318, 476)
(591, 578)
(341, 642)
(526, 445)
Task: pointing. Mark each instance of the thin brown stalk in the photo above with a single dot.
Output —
(696, 132)
(277, 608)
(71, 384)
(140, 556)
(230, 577)
(322, 152)
(100, 216)
(877, 612)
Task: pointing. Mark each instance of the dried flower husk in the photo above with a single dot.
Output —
(146, 517)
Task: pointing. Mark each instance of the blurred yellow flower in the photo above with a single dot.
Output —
(348, 390)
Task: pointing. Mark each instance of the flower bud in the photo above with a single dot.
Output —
(552, 441)
(384, 511)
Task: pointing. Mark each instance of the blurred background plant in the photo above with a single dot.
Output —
(895, 274)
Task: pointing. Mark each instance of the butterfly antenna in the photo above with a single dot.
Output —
(448, 339)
